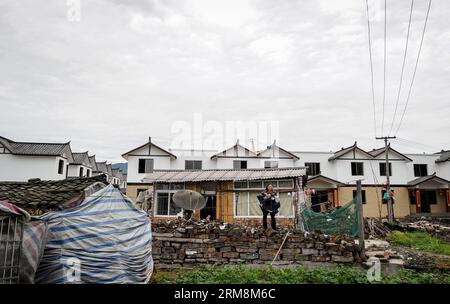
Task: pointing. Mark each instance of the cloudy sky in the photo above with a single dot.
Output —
(127, 70)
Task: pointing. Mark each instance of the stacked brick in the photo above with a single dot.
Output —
(191, 244)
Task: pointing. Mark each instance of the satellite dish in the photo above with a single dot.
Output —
(189, 200)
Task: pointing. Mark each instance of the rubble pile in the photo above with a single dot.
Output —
(435, 229)
(192, 243)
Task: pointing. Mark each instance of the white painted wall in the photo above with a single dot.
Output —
(23, 168)
(340, 169)
(74, 170)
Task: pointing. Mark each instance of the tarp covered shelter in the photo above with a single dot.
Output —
(105, 239)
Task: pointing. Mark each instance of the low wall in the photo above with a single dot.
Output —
(177, 244)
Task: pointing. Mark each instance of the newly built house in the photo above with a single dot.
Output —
(21, 161)
(420, 181)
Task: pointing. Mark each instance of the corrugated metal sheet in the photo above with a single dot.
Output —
(222, 175)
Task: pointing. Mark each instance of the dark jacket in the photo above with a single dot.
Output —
(271, 203)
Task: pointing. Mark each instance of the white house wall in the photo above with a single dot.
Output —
(23, 168)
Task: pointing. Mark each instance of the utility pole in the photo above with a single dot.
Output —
(390, 209)
(360, 217)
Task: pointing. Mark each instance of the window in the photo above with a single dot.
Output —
(145, 166)
(420, 170)
(270, 164)
(193, 164)
(357, 168)
(312, 168)
(61, 167)
(239, 164)
(165, 205)
(363, 194)
(247, 205)
(88, 173)
(81, 171)
(261, 185)
(169, 186)
(383, 169)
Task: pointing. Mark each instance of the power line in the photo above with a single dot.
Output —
(415, 68)
(403, 68)
(384, 69)
(371, 70)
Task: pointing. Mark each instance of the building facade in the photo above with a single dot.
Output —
(420, 182)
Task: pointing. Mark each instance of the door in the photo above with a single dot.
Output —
(318, 200)
(210, 208)
(426, 199)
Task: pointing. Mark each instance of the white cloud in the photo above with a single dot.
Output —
(130, 69)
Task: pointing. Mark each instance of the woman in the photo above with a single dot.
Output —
(269, 202)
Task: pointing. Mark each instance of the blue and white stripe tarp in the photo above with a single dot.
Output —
(105, 239)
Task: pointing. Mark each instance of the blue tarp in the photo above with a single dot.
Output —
(105, 239)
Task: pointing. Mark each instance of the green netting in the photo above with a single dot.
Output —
(343, 220)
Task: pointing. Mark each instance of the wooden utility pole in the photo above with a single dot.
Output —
(390, 208)
(360, 217)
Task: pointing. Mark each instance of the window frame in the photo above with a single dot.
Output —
(235, 161)
(248, 191)
(356, 164)
(171, 191)
(61, 166)
(193, 163)
(420, 167)
(271, 164)
(383, 165)
(315, 168)
(145, 160)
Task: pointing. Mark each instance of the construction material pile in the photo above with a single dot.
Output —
(374, 228)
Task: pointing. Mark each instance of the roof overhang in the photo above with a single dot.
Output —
(429, 182)
(176, 176)
(323, 182)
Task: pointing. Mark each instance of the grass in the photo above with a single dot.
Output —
(298, 275)
(421, 241)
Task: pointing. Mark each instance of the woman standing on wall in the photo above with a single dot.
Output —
(269, 202)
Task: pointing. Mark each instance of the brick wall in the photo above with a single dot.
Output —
(192, 244)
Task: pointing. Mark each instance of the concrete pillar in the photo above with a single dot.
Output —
(335, 198)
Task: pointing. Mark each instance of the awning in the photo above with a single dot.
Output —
(430, 181)
(173, 176)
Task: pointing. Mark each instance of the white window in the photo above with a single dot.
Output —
(164, 199)
(270, 164)
(247, 204)
(145, 165)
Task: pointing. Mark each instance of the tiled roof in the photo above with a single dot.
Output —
(81, 159)
(377, 152)
(222, 175)
(109, 169)
(101, 167)
(423, 179)
(93, 163)
(45, 195)
(38, 149)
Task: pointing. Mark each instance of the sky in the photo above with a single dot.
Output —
(107, 74)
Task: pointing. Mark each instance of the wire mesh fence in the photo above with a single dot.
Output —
(11, 235)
